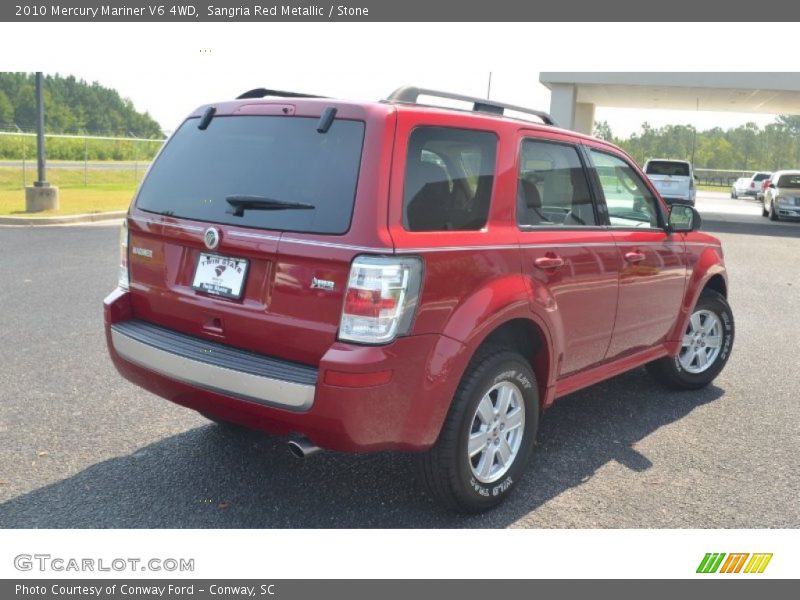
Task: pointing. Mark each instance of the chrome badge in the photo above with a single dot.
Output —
(321, 284)
(146, 252)
(211, 238)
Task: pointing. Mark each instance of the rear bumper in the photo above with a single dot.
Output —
(679, 199)
(785, 212)
(405, 413)
(215, 367)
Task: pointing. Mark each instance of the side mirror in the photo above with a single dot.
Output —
(771, 185)
(696, 178)
(684, 218)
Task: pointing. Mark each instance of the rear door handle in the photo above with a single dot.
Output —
(634, 257)
(549, 262)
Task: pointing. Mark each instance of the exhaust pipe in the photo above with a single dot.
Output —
(302, 447)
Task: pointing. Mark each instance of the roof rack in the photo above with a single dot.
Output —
(410, 94)
(262, 92)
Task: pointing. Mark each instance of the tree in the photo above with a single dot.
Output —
(6, 111)
(72, 105)
(603, 131)
(745, 139)
(792, 122)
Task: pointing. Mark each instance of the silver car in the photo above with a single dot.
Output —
(749, 186)
(782, 196)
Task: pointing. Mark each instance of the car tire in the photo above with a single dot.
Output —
(773, 214)
(734, 195)
(494, 412)
(711, 319)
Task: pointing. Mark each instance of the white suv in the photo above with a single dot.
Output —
(674, 179)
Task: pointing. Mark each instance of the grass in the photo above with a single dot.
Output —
(713, 188)
(107, 190)
(100, 198)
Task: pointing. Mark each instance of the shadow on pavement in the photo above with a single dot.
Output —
(766, 227)
(211, 477)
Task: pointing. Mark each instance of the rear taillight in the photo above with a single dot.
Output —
(752, 184)
(124, 280)
(380, 300)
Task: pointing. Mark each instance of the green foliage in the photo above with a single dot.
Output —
(792, 122)
(6, 108)
(71, 106)
(122, 178)
(747, 147)
(18, 147)
(603, 131)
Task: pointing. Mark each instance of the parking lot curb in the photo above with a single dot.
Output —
(63, 220)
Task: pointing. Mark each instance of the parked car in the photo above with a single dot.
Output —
(763, 188)
(749, 186)
(782, 196)
(674, 179)
(396, 276)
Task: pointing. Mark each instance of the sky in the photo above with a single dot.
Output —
(169, 69)
(513, 87)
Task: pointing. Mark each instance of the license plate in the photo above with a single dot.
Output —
(220, 275)
(666, 184)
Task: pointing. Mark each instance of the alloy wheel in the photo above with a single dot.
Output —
(701, 343)
(496, 432)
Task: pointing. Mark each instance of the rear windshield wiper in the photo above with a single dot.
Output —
(240, 203)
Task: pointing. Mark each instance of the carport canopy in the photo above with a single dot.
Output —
(574, 96)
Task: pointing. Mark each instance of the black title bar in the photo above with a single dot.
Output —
(406, 10)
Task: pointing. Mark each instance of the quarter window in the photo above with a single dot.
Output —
(449, 178)
(629, 201)
(552, 189)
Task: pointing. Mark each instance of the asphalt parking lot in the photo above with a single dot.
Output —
(81, 447)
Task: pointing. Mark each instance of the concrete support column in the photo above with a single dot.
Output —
(562, 104)
(583, 121)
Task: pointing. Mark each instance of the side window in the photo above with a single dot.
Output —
(630, 203)
(552, 189)
(448, 180)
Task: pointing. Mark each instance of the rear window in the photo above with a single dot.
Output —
(791, 181)
(281, 159)
(667, 167)
(761, 176)
(449, 177)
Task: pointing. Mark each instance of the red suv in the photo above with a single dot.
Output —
(400, 276)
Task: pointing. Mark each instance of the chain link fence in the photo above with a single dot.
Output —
(721, 177)
(74, 159)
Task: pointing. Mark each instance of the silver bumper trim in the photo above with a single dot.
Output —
(229, 382)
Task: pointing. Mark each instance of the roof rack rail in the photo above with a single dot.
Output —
(410, 95)
(262, 92)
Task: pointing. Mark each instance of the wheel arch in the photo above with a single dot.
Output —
(709, 274)
(717, 283)
(528, 337)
